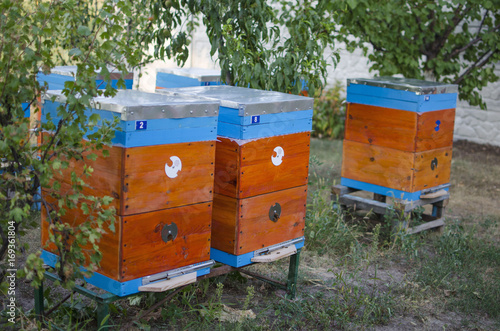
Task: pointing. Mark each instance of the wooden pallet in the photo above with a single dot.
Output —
(437, 197)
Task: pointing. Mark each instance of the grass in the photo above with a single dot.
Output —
(353, 275)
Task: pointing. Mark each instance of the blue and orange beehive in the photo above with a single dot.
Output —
(261, 171)
(186, 77)
(398, 136)
(160, 172)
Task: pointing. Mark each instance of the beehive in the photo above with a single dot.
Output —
(160, 175)
(61, 74)
(398, 136)
(261, 170)
(186, 77)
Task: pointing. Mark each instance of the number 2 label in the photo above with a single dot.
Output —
(141, 125)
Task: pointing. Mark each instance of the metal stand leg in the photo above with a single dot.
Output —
(293, 272)
(103, 315)
(39, 309)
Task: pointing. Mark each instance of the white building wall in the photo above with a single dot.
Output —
(471, 123)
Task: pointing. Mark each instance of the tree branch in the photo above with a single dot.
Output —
(457, 51)
(483, 60)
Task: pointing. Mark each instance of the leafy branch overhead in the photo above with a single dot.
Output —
(261, 44)
(449, 41)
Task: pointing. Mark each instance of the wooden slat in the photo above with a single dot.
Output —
(225, 223)
(145, 253)
(341, 190)
(381, 126)
(275, 255)
(169, 284)
(426, 226)
(256, 230)
(432, 168)
(378, 165)
(364, 204)
(148, 188)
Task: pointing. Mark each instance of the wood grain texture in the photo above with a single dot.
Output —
(399, 129)
(242, 225)
(378, 165)
(432, 168)
(109, 244)
(435, 130)
(227, 165)
(245, 168)
(224, 223)
(391, 168)
(145, 253)
(381, 126)
(136, 178)
(256, 230)
(148, 188)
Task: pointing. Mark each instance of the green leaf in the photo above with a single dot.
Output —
(83, 30)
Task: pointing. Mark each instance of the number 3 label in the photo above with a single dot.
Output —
(141, 125)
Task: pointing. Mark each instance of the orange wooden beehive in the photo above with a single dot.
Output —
(261, 171)
(160, 173)
(398, 136)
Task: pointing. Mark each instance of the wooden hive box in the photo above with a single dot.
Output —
(398, 136)
(261, 170)
(160, 173)
(186, 77)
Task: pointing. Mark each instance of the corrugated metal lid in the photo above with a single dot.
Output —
(137, 105)
(406, 84)
(202, 75)
(248, 101)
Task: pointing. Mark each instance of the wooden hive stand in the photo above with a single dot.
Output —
(438, 197)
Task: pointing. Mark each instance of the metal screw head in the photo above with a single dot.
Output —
(163, 110)
(131, 113)
(190, 111)
(206, 110)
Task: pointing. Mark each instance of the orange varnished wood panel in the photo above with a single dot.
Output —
(137, 179)
(242, 225)
(147, 186)
(381, 126)
(256, 230)
(399, 129)
(435, 130)
(377, 165)
(145, 253)
(224, 223)
(391, 168)
(432, 168)
(262, 165)
(109, 244)
(227, 164)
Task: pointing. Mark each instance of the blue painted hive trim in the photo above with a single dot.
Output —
(398, 99)
(157, 131)
(56, 82)
(170, 81)
(390, 192)
(267, 125)
(103, 282)
(238, 260)
(26, 109)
